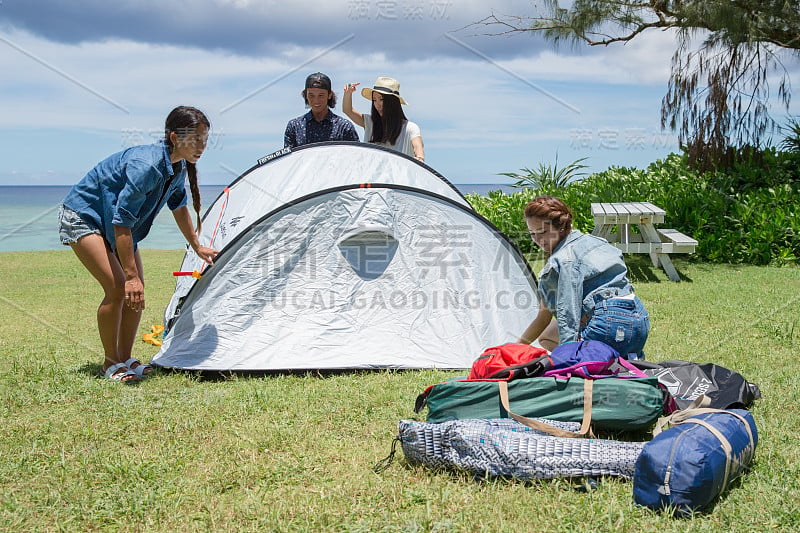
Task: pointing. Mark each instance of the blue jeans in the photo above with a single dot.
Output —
(622, 324)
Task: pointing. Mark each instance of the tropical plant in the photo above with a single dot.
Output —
(791, 142)
(548, 176)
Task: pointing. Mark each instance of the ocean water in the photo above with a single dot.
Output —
(29, 216)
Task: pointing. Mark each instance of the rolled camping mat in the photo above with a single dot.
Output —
(504, 447)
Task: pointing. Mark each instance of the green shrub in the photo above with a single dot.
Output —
(506, 212)
(745, 216)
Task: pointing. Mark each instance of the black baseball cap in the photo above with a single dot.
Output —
(318, 81)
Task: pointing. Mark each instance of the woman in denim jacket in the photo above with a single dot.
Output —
(107, 213)
(584, 284)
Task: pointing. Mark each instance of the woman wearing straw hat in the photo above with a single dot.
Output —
(386, 124)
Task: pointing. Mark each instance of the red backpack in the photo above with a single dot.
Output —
(509, 361)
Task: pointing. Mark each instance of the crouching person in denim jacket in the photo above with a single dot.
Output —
(584, 285)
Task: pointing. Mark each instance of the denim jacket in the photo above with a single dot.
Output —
(128, 189)
(583, 269)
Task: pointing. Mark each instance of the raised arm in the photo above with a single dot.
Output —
(347, 104)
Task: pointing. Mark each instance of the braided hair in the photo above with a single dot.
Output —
(183, 120)
(552, 209)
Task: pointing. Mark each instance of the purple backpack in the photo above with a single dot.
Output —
(587, 359)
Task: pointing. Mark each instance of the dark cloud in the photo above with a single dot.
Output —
(401, 29)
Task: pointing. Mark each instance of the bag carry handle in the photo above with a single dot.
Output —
(633, 369)
(586, 424)
(698, 407)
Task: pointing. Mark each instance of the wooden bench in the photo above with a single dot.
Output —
(658, 242)
(680, 243)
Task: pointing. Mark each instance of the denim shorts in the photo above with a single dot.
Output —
(622, 324)
(72, 227)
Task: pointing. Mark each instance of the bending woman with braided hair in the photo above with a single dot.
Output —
(108, 212)
(584, 285)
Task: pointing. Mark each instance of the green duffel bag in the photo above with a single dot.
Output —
(608, 404)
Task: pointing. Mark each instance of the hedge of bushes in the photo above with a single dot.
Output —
(746, 214)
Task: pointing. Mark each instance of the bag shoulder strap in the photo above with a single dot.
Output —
(586, 424)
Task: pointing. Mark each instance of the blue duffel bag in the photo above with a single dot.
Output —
(685, 467)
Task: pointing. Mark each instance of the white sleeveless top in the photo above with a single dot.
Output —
(410, 131)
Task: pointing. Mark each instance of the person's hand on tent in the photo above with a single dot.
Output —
(206, 254)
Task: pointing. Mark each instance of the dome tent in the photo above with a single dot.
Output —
(345, 256)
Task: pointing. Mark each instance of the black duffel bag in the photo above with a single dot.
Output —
(686, 381)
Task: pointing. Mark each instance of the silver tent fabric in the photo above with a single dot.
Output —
(288, 175)
(366, 278)
(503, 447)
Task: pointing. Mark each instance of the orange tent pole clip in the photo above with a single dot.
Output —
(195, 274)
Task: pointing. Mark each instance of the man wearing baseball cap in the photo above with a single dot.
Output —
(320, 124)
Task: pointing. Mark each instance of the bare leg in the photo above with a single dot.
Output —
(129, 323)
(549, 337)
(100, 261)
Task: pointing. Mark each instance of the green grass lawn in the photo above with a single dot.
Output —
(295, 453)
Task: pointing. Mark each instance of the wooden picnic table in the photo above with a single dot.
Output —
(613, 221)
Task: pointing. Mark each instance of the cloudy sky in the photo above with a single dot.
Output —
(85, 78)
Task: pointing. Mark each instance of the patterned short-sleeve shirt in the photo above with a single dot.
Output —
(306, 130)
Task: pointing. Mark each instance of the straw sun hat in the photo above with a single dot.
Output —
(384, 85)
